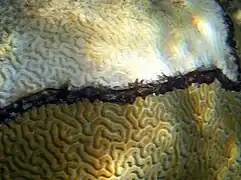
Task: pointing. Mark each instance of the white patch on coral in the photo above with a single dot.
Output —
(108, 44)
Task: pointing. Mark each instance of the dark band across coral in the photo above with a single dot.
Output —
(124, 96)
(129, 94)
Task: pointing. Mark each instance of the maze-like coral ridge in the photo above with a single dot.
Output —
(185, 134)
(44, 43)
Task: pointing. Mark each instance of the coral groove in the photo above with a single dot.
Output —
(184, 134)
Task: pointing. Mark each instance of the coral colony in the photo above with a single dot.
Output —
(123, 50)
(120, 89)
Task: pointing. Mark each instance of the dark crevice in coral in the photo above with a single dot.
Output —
(65, 96)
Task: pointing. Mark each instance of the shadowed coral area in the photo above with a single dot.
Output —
(184, 134)
(233, 8)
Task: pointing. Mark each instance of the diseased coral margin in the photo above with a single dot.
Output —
(124, 96)
(129, 94)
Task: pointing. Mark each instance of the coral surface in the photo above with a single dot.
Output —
(191, 134)
(45, 43)
(184, 134)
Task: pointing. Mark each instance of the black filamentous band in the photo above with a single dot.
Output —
(125, 96)
(128, 95)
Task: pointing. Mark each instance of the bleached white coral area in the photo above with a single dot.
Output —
(44, 43)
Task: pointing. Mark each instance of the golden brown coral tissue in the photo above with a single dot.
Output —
(185, 134)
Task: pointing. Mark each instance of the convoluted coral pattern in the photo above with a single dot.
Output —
(185, 134)
(44, 43)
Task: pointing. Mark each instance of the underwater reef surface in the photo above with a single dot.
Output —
(45, 44)
(183, 126)
(184, 134)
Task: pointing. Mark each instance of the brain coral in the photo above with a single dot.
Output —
(45, 43)
(184, 134)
